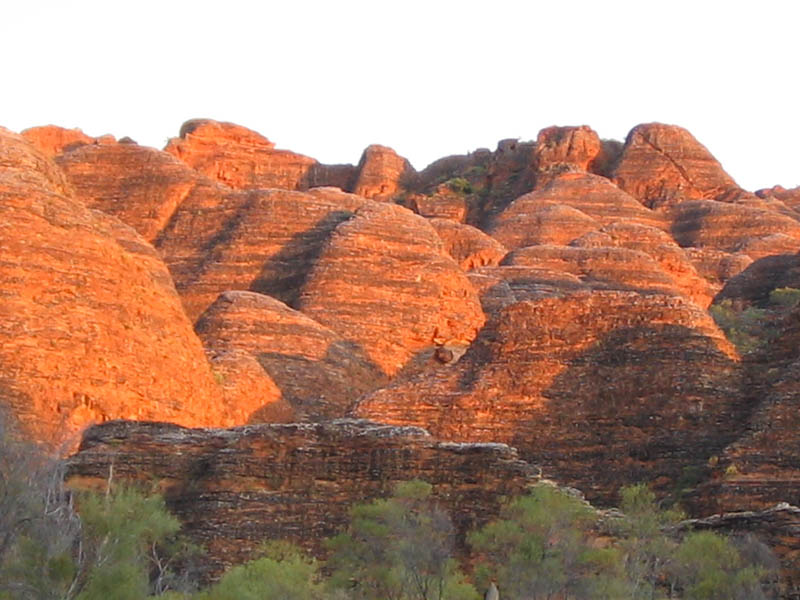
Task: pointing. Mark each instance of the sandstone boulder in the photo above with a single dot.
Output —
(560, 148)
(382, 173)
(243, 159)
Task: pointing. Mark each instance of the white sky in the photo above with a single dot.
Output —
(430, 79)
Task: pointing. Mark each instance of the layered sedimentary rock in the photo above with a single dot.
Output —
(716, 266)
(600, 268)
(141, 186)
(600, 389)
(381, 173)
(790, 197)
(560, 149)
(664, 165)
(238, 157)
(444, 203)
(233, 489)
(468, 246)
(571, 205)
(499, 287)
(261, 240)
(385, 282)
(660, 246)
(510, 173)
(52, 140)
(91, 328)
(734, 228)
(249, 393)
(317, 373)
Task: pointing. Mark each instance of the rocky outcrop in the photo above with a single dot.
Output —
(141, 186)
(317, 373)
(564, 149)
(662, 165)
(382, 173)
(235, 488)
(753, 285)
(262, 240)
(239, 158)
(91, 326)
(571, 205)
(762, 467)
(384, 282)
(599, 268)
(499, 287)
(51, 140)
(600, 389)
(790, 197)
(249, 394)
(716, 266)
(243, 159)
(673, 260)
(468, 246)
(734, 228)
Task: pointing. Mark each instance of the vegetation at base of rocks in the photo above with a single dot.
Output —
(751, 328)
(400, 548)
(122, 544)
(56, 545)
(542, 547)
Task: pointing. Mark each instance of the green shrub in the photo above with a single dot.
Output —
(459, 185)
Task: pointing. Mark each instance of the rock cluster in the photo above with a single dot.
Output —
(549, 294)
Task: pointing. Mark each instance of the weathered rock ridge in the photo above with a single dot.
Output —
(235, 488)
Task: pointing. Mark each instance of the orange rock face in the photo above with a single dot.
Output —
(601, 268)
(141, 186)
(264, 241)
(91, 326)
(663, 165)
(559, 148)
(598, 388)
(52, 140)
(734, 228)
(381, 173)
(469, 247)
(790, 197)
(571, 205)
(240, 158)
(317, 374)
(384, 282)
(673, 260)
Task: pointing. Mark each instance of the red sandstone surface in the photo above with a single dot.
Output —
(91, 328)
(549, 294)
